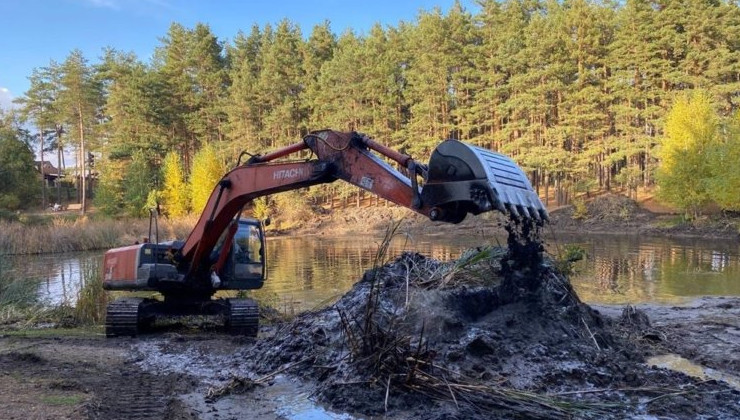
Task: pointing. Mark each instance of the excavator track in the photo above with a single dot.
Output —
(243, 317)
(122, 317)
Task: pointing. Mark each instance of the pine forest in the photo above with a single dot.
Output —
(585, 96)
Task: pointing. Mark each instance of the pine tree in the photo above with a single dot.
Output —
(209, 79)
(339, 99)
(636, 63)
(502, 38)
(173, 61)
(37, 106)
(466, 82)
(243, 108)
(175, 191)
(80, 99)
(280, 84)
(535, 130)
(583, 113)
(136, 107)
(383, 84)
(428, 91)
(316, 52)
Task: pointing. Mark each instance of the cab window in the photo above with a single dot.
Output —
(248, 244)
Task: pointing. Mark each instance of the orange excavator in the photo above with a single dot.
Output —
(225, 251)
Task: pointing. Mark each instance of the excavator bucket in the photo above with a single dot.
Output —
(467, 179)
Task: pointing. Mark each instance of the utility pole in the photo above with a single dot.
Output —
(82, 157)
(41, 168)
(59, 130)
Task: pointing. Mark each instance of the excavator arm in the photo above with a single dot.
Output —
(460, 179)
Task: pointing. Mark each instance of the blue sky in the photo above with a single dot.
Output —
(33, 32)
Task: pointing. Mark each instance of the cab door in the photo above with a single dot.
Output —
(249, 256)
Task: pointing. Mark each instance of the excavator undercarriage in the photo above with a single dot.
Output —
(130, 316)
(227, 252)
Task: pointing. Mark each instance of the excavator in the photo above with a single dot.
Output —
(226, 251)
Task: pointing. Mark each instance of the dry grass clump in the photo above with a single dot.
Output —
(83, 234)
(475, 267)
(92, 299)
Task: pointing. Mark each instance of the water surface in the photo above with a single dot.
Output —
(306, 272)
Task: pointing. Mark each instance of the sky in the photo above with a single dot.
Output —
(34, 32)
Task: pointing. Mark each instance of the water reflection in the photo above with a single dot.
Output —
(305, 272)
(59, 276)
(641, 269)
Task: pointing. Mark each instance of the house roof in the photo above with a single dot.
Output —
(47, 168)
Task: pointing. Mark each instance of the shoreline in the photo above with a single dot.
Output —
(606, 215)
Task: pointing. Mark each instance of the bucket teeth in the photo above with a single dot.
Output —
(523, 210)
(514, 212)
(535, 214)
(543, 214)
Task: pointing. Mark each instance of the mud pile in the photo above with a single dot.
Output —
(497, 333)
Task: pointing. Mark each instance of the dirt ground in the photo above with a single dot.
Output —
(605, 214)
(168, 375)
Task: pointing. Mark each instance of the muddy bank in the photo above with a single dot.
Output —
(606, 214)
(705, 331)
(176, 370)
(472, 350)
(612, 213)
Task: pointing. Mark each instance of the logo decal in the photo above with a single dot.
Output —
(288, 173)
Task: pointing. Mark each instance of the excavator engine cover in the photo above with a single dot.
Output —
(467, 179)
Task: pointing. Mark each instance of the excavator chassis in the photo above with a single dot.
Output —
(131, 316)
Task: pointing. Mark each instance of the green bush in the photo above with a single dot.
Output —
(8, 215)
(568, 256)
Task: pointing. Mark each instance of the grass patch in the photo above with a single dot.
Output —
(83, 332)
(93, 299)
(672, 222)
(64, 400)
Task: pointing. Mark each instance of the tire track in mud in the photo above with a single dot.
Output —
(99, 374)
(132, 393)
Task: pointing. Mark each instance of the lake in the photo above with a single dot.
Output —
(306, 272)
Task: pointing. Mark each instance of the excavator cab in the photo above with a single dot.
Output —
(246, 268)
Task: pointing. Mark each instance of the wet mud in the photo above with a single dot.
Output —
(501, 333)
